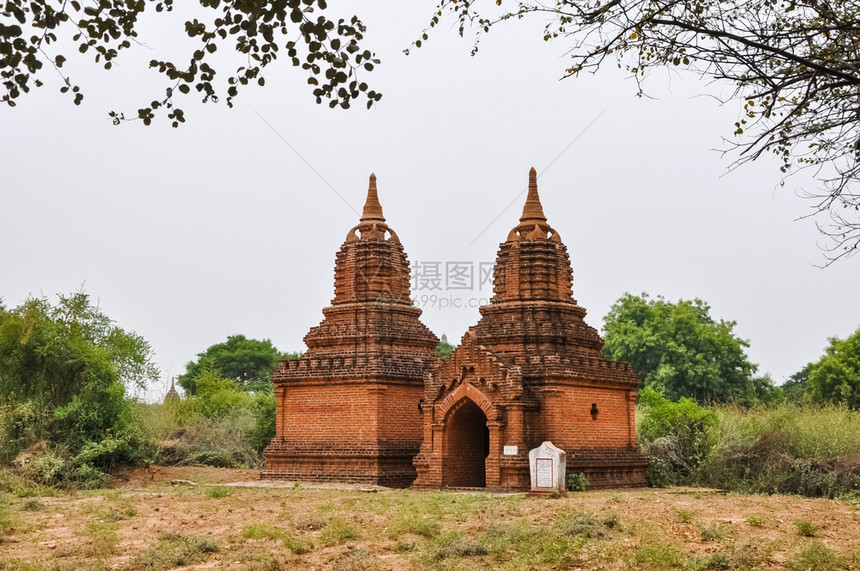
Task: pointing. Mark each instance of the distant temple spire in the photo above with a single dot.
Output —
(533, 209)
(172, 393)
(372, 209)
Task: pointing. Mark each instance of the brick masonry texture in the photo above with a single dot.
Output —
(534, 370)
(371, 403)
(348, 410)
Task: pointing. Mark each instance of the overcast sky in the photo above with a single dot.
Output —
(219, 227)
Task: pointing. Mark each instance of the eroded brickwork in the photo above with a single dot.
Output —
(534, 371)
(348, 410)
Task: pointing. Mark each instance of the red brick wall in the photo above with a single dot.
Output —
(566, 420)
(341, 432)
(356, 411)
(401, 419)
(339, 412)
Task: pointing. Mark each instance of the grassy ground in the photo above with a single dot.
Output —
(147, 523)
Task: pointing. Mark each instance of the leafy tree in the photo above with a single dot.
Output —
(794, 387)
(794, 66)
(248, 362)
(64, 369)
(444, 349)
(679, 350)
(836, 377)
(330, 52)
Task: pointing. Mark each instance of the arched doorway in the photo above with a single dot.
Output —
(467, 445)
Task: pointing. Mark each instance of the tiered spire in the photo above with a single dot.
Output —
(372, 209)
(533, 224)
(533, 309)
(533, 210)
(371, 225)
(372, 306)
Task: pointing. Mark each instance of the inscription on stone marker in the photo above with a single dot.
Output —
(543, 467)
(511, 450)
(547, 467)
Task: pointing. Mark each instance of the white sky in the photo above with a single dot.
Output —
(189, 235)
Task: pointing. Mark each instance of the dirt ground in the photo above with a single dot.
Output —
(210, 518)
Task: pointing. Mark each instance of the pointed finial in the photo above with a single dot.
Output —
(533, 209)
(372, 209)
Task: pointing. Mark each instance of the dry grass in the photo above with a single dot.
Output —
(162, 527)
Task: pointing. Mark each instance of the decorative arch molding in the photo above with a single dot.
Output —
(475, 371)
(462, 394)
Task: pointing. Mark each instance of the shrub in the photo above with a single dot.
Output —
(337, 531)
(32, 505)
(715, 532)
(676, 436)
(460, 548)
(64, 369)
(218, 491)
(587, 525)
(715, 561)
(755, 520)
(658, 555)
(221, 426)
(806, 528)
(6, 521)
(357, 560)
(175, 550)
(311, 522)
(817, 557)
(261, 531)
(577, 482)
(804, 449)
(424, 527)
(794, 449)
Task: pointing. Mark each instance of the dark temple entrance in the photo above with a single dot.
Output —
(467, 445)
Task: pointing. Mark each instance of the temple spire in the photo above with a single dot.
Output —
(372, 209)
(172, 393)
(533, 211)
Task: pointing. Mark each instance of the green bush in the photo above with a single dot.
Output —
(676, 436)
(221, 425)
(64, 370)
(577, 482)
(65, 414)
(806, 528)
(791, 448)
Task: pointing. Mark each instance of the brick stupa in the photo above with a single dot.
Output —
(531, 370)
(349, 409)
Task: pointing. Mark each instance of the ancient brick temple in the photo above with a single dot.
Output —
(531, 370)
(349, 409)
(370, 391)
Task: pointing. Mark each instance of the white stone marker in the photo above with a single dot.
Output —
(548, 465)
